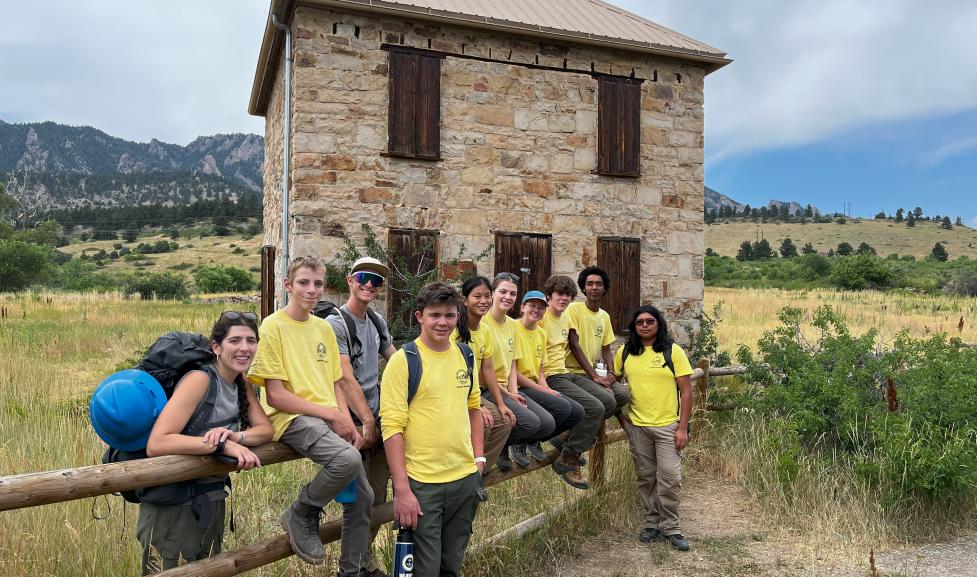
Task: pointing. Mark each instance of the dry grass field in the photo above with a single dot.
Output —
(885, 236)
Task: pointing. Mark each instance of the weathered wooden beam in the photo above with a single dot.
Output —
(32, 489)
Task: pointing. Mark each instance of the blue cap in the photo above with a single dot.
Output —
(124, 408)
(531, 295)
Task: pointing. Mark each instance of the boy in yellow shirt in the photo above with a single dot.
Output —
(433, 441)
(298, 365)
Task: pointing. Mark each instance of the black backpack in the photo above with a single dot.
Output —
(326, 309)
(170, 358)
(415, 368)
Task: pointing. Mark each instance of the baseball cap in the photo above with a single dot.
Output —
(124, 408)
(534, 295)
(370, 264)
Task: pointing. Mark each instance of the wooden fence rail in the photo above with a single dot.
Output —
(42, 488)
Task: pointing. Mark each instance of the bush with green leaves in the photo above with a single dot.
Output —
(222, 279)
(160, 285)
(21, 264)
(918, 445)
(859, 272)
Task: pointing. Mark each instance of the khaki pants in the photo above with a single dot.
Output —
(658, 466)
(443, 531)
(494, 437)
(169, 533)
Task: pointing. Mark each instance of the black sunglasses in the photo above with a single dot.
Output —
(507, 276)
(364, 277)
(644, 322)
(234, 315)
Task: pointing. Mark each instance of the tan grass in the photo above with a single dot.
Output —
(194, 251)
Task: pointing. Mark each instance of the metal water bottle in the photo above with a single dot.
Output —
(403, 553)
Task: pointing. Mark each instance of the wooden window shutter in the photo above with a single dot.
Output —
(412, 252)
(414, 113)
(621, 258)
(526, 254)
(618, 126)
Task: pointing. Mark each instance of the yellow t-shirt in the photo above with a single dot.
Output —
(302, 354)
(532, 350)
(481, 348)
(437, 432)
(504, 349)
(654, 394)
(557, 331)
(594, 331)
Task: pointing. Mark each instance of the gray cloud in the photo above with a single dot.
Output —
(808, 70)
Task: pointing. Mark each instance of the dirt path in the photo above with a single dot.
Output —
(727, 541)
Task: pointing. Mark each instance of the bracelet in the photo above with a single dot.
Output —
(219, 449)
(241, 440)
(481, 460)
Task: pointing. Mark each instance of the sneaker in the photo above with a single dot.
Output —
(568, 467)
(649, 535)
(518, 455)
(536, 451)
(302, 525)
(677, 541)
(503, 463)
(558, 442)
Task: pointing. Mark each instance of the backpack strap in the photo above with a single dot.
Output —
(378, 324)
(415, 368)
(353, 343)
(199, 422)
(667, 353)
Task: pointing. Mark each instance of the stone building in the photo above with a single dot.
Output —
(559, 134)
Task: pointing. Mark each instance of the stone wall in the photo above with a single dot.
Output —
(518, 150)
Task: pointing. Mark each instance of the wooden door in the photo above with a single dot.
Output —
(621, 258)
(413, 261)
(527, 255)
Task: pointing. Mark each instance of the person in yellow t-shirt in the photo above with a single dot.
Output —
(502, 330)
(591, 335)
(497, 419)
(298, 365)
(434, 441)
(560, 413)
(657, 420)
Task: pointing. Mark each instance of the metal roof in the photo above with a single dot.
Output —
(577, 21)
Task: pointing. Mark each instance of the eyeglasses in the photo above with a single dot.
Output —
(234, 315)
(368, 277)
(644, 322)
(507, 276)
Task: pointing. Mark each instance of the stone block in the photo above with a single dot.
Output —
(681, 138)
(541, 188)
(314, 142)
(655, 120)
(338, 162)
(585, 122)
(494, 115)
(477, 175)
(561, 163)
(525, 119)
(685, 242)
(313, 177)
(673, 201)
(585, 159)
(562, 123)
(373, 195)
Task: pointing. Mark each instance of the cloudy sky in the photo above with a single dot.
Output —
(834, 102)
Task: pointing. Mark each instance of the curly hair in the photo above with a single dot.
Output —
(591, 270)
(559, 284)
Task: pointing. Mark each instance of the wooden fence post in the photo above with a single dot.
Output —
(597, 458)
(267, 280)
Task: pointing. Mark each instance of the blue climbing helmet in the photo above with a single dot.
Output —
(124, 408)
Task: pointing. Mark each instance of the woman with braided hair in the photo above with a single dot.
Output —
(192, 527)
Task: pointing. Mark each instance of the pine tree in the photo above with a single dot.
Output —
(808, 249)
(917, 212)
(787, 248)
(911, 220)
(946, 223)
(762, 250)
(939, 253)
(865, 248)
(899, 214)
(844, 249)
(745, 252)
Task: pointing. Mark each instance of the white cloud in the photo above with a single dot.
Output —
(948, 150)
(808, 70)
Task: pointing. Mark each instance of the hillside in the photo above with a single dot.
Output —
(80, 166)
(885, 236)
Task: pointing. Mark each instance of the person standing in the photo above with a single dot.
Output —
(359, 356)
(657, 420)
(433, 440)
(298, 365)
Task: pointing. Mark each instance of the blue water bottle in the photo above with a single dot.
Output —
(403, 553)
(348, 494)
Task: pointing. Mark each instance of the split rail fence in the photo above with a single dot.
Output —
(46, 487)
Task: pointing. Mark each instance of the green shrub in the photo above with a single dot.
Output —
(161, 285)
(222, 279)
(859, 272)
(21, 264)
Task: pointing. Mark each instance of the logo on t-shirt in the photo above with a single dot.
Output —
(565, 334)
(539, 351)
(512, 345)
(321, 350)
(462, 377)
(599, 331)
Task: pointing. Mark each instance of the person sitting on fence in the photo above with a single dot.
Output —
(532, 420)
(432, 432)
(299, 367)
(193, 531)
(591, 335)
(362, 337)
(564, 412)
(497, 419)
(657, 420)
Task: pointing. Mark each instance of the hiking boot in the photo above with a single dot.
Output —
(301, 522)
(677, 541)
(518, 455)
(649, 535)
(558, 442)
(568, 467)
(536, 451)
(503, 463)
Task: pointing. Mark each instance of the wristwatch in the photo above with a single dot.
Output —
(219, 449)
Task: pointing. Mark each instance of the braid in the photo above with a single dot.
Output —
(242, 403)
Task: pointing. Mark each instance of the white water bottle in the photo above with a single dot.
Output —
(601, 368)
